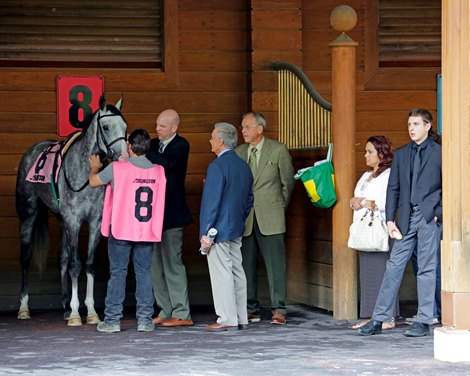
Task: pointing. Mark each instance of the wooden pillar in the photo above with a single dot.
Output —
(452, 341)
(343, 51)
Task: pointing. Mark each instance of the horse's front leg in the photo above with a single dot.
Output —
(64, 258)
(93, 241)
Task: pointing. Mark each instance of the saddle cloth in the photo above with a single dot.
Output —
(48, 163)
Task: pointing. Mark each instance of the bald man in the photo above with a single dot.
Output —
(171, 151)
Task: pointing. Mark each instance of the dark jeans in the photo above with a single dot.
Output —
(119, 252)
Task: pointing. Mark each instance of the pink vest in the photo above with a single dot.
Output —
(133, 207)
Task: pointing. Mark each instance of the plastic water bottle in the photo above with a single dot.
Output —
(211, 236)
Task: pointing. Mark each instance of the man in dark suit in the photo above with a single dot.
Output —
(414, 192)
(171, 151)
(273, 174)
(226, 201)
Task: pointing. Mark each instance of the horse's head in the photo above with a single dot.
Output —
(111, 130)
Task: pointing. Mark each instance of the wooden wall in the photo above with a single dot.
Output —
(384, 97)
(209, 85)
(223, 58)
(299, 32)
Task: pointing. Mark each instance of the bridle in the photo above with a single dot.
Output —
(108, 152)
(100, 134)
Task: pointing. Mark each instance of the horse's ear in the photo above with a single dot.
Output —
(103, 102)
(119, 103)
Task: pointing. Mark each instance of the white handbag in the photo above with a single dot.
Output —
(369, 234)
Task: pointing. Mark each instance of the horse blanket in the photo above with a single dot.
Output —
(47, 164)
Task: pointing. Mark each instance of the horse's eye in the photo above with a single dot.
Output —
(105, 127)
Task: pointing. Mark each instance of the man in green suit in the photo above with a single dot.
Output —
(273, 184)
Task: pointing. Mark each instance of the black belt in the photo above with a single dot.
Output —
(414, 208)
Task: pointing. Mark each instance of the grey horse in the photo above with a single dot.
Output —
(73, 201)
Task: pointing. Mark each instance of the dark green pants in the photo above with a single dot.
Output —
(273, 250)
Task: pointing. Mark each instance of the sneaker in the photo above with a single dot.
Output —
(411, 320)
(146, 327)
(105, 327)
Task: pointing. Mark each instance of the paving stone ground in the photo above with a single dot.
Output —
(311, 343)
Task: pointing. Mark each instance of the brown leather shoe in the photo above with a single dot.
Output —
(253, 317)
(216, 327)
(175, 321)
(278, 318)
(159, 320)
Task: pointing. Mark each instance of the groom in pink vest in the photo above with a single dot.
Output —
(132, 220)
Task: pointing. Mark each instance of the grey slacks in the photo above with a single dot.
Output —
(228, 282)
(170, 283)
(426, 237)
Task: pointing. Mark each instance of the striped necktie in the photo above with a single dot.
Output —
(160, 147)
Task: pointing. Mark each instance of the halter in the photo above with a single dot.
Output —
(109, 152)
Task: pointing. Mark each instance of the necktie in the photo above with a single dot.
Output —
(160, 147)
(416, 166)
(252, 160)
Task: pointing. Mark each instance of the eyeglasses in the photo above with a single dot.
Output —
(246, 127)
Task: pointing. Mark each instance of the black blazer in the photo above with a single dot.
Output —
(174, 160)
(429, 185)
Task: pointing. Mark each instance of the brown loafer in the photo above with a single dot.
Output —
(159, 320)
(278, 318)
(216, 327)
(175, 321)
(253, 317)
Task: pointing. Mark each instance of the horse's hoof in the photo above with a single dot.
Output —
(93, 319)
(24, 314)
(74, 321)
(67, 315)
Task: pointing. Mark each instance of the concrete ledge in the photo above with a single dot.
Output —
(451, 345)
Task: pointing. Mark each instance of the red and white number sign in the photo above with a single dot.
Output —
(77, 100)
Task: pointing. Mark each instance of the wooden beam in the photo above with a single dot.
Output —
(451, 342)
(344, 136)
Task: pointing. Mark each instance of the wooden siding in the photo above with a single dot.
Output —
(382, 106)
(51, 33)
(209, 85)
(222, 68)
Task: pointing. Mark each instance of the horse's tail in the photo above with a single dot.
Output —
(40, 237)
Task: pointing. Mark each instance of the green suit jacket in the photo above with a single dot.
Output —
(272, 187)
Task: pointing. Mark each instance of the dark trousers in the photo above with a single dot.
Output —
(273, 250)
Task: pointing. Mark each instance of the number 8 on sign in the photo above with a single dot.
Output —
(77, 100)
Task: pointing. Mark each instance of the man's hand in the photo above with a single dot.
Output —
(95, 163)
(393, 230)
(205, 243)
